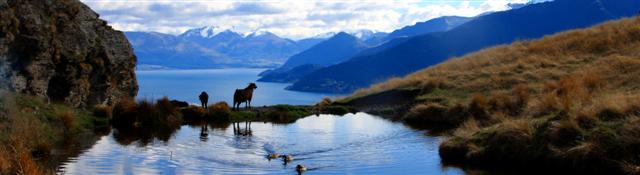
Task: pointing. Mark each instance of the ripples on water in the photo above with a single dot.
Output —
(354, 143)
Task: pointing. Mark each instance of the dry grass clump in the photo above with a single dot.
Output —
(29, 127)
(219, 110)
(193, 113)
(103, 111)
(68, 120)
(146, 115)
(326, 101)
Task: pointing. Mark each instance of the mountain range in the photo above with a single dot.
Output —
(343, 46)
(207, 47)
(213, 47)
(403, 57)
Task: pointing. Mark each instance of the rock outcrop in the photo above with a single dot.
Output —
(61, 50)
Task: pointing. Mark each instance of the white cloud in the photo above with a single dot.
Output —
(289, 18)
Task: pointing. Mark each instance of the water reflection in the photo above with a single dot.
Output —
(354, 143)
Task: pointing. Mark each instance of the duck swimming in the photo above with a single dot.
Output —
(273, 156)
(300, 169)
(287, 158)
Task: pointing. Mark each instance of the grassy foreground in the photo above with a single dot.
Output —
(569, 102)
(30, 128)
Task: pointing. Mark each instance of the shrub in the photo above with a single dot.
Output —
(326, 101)
(428, 113)
(336, 110)
(5, 161)
(432, 84)
(193, 113)
(457, 114)
(27, 165)
(478, 107)
(286, 113)
(103, 111)
(220, 111)
(166, 108)
(68, 121)
(124, 113)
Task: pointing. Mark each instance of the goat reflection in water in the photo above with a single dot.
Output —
(204, 132)
(237, 130)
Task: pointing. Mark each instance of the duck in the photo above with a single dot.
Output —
(300, 169)
(287, 158)
(273, 156)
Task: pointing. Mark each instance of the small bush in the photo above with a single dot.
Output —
(336, 110)
(103, 111)
(68, 120)
(478, 107)
(609, 114)
(165, 107)
(326, 101)
(432, 84)
(124, 113)
(27, 165)
(5, 161)
(428, 113)
(193, 113)
(220, 111)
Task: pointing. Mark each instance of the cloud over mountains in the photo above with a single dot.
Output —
(289, 18)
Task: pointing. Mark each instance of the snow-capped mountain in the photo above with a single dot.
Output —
(213, 47)
(325, 35)
(204, 32)
(363, 34)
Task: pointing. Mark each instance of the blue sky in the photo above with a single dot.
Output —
(288, 18)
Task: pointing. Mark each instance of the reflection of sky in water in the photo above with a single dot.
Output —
(359, 144)
(220, 84)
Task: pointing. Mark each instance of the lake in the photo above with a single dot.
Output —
(327, 144)
(220, 84)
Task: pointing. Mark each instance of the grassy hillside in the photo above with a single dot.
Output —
(30, 128)
(532, 21)
(570, 100)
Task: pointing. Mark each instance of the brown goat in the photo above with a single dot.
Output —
(243, 95)
(204, 99)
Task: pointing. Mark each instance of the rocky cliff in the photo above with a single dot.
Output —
(61, 50)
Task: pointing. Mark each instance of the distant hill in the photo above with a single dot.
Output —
(334, 50)
(434, 25)
(210, 47)
(532, 21)
(290, 75)
(374, 41)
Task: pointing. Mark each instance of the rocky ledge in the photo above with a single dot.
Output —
(61, 50)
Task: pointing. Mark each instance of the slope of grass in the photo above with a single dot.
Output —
(31, 127)
(568, 101)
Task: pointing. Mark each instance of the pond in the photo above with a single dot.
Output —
(354, 143)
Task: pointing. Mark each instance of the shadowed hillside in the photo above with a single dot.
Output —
(532, 21)
(569, 101)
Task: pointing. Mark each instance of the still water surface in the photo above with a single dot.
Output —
(326, 144)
